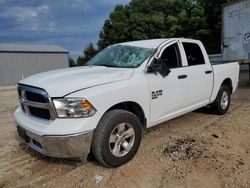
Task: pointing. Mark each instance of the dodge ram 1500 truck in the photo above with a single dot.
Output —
(103, 107)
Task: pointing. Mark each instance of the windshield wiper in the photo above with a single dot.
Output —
(105, 65)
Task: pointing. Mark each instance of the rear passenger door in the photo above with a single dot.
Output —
(199, 78)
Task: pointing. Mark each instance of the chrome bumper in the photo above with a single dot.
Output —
(66, 146)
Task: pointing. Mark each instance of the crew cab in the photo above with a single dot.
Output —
(104, 107)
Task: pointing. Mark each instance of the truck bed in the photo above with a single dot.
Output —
(221, 62)
(224, 70)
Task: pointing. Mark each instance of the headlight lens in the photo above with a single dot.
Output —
(73, 108)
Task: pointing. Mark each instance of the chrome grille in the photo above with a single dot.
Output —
(35, 102)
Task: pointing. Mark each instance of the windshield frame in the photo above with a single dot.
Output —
(116, 65)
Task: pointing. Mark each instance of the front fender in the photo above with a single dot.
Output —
(105, 96)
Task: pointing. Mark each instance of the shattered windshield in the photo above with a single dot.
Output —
(121, 56)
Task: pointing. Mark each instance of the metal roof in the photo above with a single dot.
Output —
(31, 48)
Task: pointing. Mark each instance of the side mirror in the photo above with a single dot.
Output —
(158, 65)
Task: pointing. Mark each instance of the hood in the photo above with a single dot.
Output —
(61, 82)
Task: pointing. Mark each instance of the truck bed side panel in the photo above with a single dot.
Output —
(221, 73)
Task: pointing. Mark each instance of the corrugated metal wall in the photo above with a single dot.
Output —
(236, 30)
(15, 66)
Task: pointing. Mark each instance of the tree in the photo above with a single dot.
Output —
(145, 19)
(72, 62)
(88, 53)
(115, 28)
(213, 12)
(80, 61)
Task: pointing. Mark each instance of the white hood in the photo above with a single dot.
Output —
(61, 82)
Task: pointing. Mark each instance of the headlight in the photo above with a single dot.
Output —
(73, 108)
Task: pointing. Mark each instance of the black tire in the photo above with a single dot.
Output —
(101, 146)
(217, 106)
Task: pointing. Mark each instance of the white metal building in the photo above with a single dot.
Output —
(18, 61)
(236, 30)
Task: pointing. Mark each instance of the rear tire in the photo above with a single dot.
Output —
(117, 138)
(222, 102)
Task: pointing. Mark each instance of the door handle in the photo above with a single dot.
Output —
(182, 76)
(208, 72)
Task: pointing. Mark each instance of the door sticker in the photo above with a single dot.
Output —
(156, 94)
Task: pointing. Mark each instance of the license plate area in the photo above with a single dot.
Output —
(22, 134)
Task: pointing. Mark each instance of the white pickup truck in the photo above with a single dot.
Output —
(103, 108)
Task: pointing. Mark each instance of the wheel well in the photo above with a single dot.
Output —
(133, 108)
(228, 82)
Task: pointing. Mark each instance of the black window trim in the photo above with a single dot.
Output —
(182, 42)
(178, 53)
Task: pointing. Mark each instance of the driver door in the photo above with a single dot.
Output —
(168, 93)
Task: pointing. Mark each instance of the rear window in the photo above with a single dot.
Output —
(193, 53)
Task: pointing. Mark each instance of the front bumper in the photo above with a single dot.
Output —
(66, 146)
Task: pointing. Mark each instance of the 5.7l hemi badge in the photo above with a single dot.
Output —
(156, 94)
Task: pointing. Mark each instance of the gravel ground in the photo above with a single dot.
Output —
(198, 149)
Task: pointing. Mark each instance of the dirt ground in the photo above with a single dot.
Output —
(196, 150)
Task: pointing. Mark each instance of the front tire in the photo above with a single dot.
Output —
(116, 138)
(222, 101)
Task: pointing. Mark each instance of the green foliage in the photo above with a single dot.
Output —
(80, 61)
(88, 52)
(213, 12)
(115, 28)
(146, 19)
(72, 62)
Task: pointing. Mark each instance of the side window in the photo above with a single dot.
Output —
(193, 53)
(171, 56)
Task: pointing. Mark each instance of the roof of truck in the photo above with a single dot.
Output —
(151, 43)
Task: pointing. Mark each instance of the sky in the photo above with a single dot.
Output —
(71, 24)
